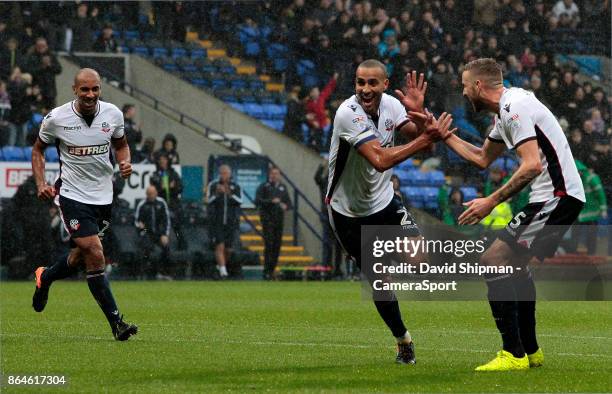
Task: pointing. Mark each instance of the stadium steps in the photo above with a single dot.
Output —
(292, 257)
(215, 50)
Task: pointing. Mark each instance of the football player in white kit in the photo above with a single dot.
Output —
(525, 125)
(83, 131)
(362, 155)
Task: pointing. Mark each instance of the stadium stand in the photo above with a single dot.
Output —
(250, 58)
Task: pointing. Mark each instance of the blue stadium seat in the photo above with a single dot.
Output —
(406, 165)
(274, 111)
(256, 85)
(469, 193)
(305, 67)
(51, 155)
(159, 51)
(236, 106)
(238, 83)
(254, 110)
(268, 122)
(430, 197)
(179, 52)
(27, 153)
(252, 48)
(415, 196)
(131, 34)
(403, 175)
(435, 178)
(13, 153)
(197, 53)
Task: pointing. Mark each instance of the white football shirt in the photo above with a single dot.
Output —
(355, 188)
(86, 167)
(522, 117)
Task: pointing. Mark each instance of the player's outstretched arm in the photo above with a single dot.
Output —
(45, 191)
(480, 157)
(530, 167)
(384, 158)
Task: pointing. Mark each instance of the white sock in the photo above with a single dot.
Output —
(406, 338)
(222, 270)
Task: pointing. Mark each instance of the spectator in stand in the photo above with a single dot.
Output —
(152, 219)
(599, 126)
(272, 200)
(595, 207)
(81, 28)
(10, 57)
(601, 103)
(106, 42)
(170, 187)
(168, 149)
(316, 115)
(397, 189)
(568, 85)
(146, 153)
(132, 129)
(20, 108)
(581, 148)
(8, 132)
(44, 67)
(454, 208)
(569, 9)
(296, 115)
(224, 198)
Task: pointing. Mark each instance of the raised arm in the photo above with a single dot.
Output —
(480, 157)
(384, 158)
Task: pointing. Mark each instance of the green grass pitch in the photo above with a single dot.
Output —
(311, 336)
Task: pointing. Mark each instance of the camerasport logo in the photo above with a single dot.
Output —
(88, 150)
(105, 127)
(74, 224)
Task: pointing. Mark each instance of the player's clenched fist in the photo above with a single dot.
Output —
(46, 192)
(125, 168)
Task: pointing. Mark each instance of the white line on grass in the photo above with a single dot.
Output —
(307, 344)
(567, 336)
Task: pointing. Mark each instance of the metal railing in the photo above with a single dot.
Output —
(234, 144)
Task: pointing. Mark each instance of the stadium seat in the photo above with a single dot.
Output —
(51, 155)
(469, 193)
(237, 106)
(238, 83)
(403, 175)
(13, 153)
(435, 178)
(27, 153)
(252, 49)
(178, 52)
(254, 110)
(406, 165)
(131, 34)
(197, 53)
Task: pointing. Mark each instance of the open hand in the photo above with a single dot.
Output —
(478, 209)
(433, 129)
(414, 95)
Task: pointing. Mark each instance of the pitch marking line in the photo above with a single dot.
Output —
(273, 343)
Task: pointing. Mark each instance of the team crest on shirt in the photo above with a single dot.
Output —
(389, 125)
(74, 224)
(105, 127)
(359, 119)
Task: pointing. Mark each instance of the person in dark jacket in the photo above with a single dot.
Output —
(168, 149)
(153, 221)
(132, 129)
(44, 66)
(106, 42)
(272, 199)
(170, 187)
(224, 198)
